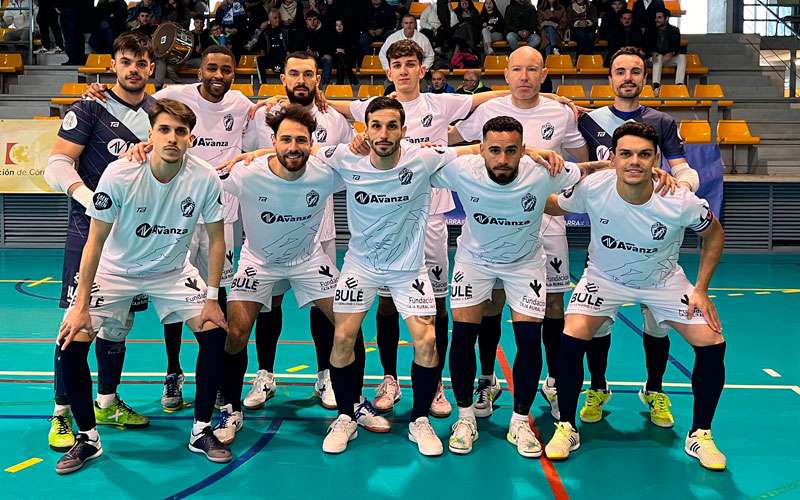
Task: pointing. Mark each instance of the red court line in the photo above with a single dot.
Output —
(550, 472)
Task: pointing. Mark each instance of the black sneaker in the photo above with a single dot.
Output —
(207, 443)
(81, 452)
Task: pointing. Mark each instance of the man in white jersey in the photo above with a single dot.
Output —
(547, 124)
(635, 241)
(158, 204)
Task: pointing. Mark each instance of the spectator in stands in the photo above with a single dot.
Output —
(625, 34)
(201, 39)
(17, 18)
(47, 19)
(439, 83)
(232, 17)
(196, 6)
(663, 43)
(466, 34)
(430, 23)
(553, 22)
(257, 20)
(143, 22)
(291, 12)
(521, 24)
(376, 24)
(609, 22)
(110, 21)
(493, 27)
(273, 45)
(644, 13)
(340, 10)
(216, 34)
(317, 41)
(153, 8)
(343, 54)
(472, 83)
(175, 12)
(409, 32)
(582, 25)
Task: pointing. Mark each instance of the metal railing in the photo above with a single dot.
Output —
(31, 28)
(768, 18)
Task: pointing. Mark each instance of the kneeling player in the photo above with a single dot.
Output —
(633, 257)
(147, 212)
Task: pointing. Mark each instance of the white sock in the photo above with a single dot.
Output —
(491, 378)
(61, 409)
(551, 382)
(106, 400)
(516, 417)
(197, 427)
(92, 434)
(467, 412)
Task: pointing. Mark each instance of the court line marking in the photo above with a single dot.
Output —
(24, 465)
(369, 349)
(796, 389)
(296, 368)
(39, 282)
(50, 281)
(771, 372)
(735, 294)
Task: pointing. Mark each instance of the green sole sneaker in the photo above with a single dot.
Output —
(60, 438)
(120, 415)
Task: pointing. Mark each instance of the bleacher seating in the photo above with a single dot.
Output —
(339, 91)
(366, 90)
(271, 89)
(574, 92)
(495, 64)
(591, 64)
(711, 91)
(601, 95)
(244, 88)
(675, 92)
(695, 131)
(247, 65)
(96, 65)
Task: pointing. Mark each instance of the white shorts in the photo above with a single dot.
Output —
(198, 253)
(328, 247)
(597, 296)
(555, 246)
(177, 296)
(311, 280)
(437, 261)
(327, 228)
(410, 290)
(524, 283)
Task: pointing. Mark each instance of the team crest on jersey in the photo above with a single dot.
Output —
(118, 146)
(547, 131)
(405, 176)
(187, 207)
(658, 230)
(312, 198)
(427, 120)
(528, 202)
(70, 121)
(228, 122)
(329, 152)
(602, 152)
(320, 135)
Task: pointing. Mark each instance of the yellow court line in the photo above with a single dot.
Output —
(763, 293)
(369, 349)
(47, 280)
(39, 282)
(735, 294)
(24, 465)
(296, 368)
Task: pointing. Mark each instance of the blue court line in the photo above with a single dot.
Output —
(18, 287)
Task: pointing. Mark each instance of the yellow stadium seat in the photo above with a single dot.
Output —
(674, 7)
(247, 65)
(591, 65)
(244, 88)
(96, 64)
(417, 8)
(341, 91)
(359, 126)
(601, 95)
(695, 131)
(694, 66)
(500, 44)
(500, 87)
(560, 65)
(675, 91)
(574, 92)
(495, 64)
(735, 132)
(371, 65)
(365, 91)
(648, 97)
(42, 117)
(74, 90)
(13, 61)
(150, 88)
(713, 91)
(271, 89)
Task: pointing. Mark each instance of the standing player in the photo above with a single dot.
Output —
(92, 134)
(158, 203)
(633, 257)
(627, 77)
(546, 124)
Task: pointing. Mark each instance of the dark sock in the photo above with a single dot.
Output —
(708, 378)
(268, 329)
(322, 333)
(551, 337)
(110, 358)
(570, 375)
(360, 352)
(527, 364)
(442, 323)
(462, 361)
(488, 340)
(78, 383)
(656, 355)
(424, 382)
(58, 379)
(344, 381)
(234, 367)
(597, 360)
(172, 340)
(388, 327)
(209, 371)
(222, 300)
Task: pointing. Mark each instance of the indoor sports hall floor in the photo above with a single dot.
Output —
(278, 454)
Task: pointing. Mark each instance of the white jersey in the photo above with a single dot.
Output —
(281, 218)
(219, 129)
(635, 245)
(387, 210)
(153, 222)
(427, 120)
(548, 125)
(502, 220)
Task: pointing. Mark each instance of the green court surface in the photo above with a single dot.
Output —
(278, 454)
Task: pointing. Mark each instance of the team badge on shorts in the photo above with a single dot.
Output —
(228, 122)
(312, 198)
(187, 207)
(658, 230)
(528, 202)
(405, 176)
(547, 131)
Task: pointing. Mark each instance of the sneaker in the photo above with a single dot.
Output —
(343, 430)
(659, 404)
(592, 410)
(230, 422)
(60, 438)
(387, 394)
(421, 432)
(42, 50)
(485, 396)
(440, 407)
(220, 401)
(369, 418)
(264, 389)
(324, 390)
(81, 452)
(565, 440)
(207, 443)
(57, 50)
(521, 435)
(551, 396)
(700, 445)
(172, 396)
(464, 433)
(119, 414)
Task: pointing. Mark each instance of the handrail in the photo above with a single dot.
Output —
(790, 65)
(780, 19)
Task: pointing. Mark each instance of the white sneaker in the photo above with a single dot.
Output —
(41, 50)
(421, 432)
(230, 422)
(341, 431)
(264, 388)
(387, 394)
(521, 435)
(324, 390)
(440, 407)
(551, 396)
(464, 433)
(485, 396)
(565, 440)
(369, 418)
(700, 445)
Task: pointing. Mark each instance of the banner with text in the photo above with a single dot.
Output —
(25, 146)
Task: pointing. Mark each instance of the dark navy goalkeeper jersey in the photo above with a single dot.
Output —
(598, 128)
(106, 130)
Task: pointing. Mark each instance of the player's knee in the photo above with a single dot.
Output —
(343, 340)
(707, 338)
(386, 306)
(425, 348)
